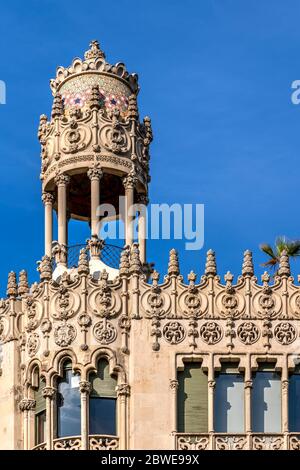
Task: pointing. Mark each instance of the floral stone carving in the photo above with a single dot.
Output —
(174, 332)
(285, 333)
(105, 332)
(211, 332)
(64, 334)
(248, 332)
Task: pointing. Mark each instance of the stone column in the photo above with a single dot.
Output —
(26, 405)
(85, 389)
(62, 181)
(174, 388)
(248, 389)
(129, 182)
(95, 174)
(48, 200)
(49, 394)
(123, 392)
(142, 227)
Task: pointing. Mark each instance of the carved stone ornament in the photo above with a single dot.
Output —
(285, 333)
(26, 404)
(211, 332)
(105, 332)
(33, 344)
(248, 332)
(174, 332)
(64, 334)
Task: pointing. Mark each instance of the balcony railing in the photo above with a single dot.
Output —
(96, 442)
(250, 441)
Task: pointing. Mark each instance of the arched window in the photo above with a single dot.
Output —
(40, 413)
(294, 400)
(102, 412)
(68, 403)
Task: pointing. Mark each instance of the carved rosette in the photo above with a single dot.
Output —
(174, 332)
(105, 332)
(211, 332)
(248, 333)
(285, 333)
(64, 334)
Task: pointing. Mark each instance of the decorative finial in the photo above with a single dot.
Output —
(83, 262)
(135, 262)
(173, 266)
(210, 266)
(284, 264)
(12, 288)
(23, 287)
(94, 52)
(95, 98)
(45, 268)
(124, 261)
(58, 106)
(132, 107)
(247, 268)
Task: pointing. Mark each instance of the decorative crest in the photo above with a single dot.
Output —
(284, 264)
(12, 288)
(173, 266)
(83, 262)
(23, 287)
(124, 261)
(94, 52)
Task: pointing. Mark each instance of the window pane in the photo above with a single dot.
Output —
(68, 405)
(40, 427)
(266, 402)
(102, 416)
(229, 403)
(103, 401)
(294, 403)
(192, 399)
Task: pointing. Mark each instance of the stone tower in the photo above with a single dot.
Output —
(93, 356)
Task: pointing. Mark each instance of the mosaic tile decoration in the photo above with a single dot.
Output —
(114, 93)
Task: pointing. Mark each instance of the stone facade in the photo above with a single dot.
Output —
(146, 331)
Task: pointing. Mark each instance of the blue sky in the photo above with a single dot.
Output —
(215, 77)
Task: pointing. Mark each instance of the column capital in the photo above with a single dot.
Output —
(48, 392)
(174, 385)
(47, 198)
(129, 181)
(95, 172)
(123, 390)
(61, 179)
(85, 386)
(142, 199)
(27, 404)
(248, 384)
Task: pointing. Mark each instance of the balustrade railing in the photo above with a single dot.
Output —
(96, 442)
(249, 441)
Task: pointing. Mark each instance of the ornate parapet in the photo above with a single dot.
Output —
(249, 441)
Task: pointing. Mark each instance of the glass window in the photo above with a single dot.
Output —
(266, 401)
(68, 403)
(102, 418)
(40, 414)
(229, 401)
(294, 401)
(192, 399)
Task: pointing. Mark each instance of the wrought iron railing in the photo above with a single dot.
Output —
(110, 255)
(249, 441)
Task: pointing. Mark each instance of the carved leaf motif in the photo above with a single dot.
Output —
(64, 334)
